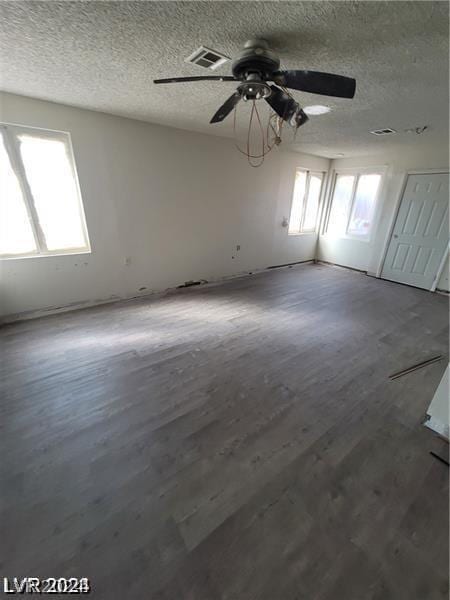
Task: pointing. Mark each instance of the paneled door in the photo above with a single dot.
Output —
(420, 236)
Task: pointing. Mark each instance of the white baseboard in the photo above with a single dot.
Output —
(54, 310)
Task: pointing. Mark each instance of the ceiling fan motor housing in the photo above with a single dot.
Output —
(255, 59)
(253, 88)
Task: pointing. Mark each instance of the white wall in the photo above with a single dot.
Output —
(176, 203)
(439, 409)
(367, 256)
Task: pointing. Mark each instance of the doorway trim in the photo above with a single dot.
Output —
(387, 241)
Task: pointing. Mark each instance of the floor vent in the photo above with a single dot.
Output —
(385, 131)
(207, 58)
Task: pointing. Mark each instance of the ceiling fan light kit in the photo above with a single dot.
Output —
(254, 67)
(316, 109)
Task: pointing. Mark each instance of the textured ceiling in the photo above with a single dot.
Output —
(104, 56)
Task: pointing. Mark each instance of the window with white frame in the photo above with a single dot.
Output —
(305, 202)
(41, 212)
(353, 203)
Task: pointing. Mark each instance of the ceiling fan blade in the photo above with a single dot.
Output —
(226, 108)
(316, 82)
(282, 103)
(202, 78)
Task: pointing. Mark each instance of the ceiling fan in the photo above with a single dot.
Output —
(255, 67)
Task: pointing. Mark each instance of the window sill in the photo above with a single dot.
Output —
(56, 254)
(296, 234)
(350, 238)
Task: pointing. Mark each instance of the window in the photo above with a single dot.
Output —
(364, 204)
(305, 202)
(353, 204)
(41, 212)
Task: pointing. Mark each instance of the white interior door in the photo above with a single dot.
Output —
(420, 235)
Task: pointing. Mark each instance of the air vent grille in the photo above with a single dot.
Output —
(207, 58)
(385, 131)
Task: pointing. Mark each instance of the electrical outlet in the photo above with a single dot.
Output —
(127, 261)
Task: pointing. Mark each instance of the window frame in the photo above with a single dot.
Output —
(11, 132)
(309, 174)
(357, 173)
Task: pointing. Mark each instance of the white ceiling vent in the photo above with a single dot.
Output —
(385, 131)
(207, 58)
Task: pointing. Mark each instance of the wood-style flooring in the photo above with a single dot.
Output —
(239, 441)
